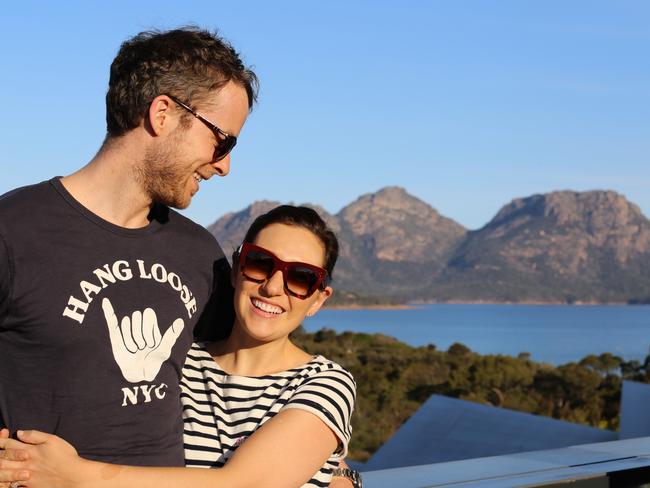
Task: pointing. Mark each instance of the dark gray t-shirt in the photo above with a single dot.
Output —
(96, 321)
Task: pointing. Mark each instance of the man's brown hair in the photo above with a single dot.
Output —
(188, 63)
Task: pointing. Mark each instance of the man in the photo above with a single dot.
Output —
(82, 255)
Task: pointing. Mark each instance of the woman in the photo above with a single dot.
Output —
(257, 406)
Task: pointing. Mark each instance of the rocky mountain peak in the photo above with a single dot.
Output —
(563, 238)
(599, 209)
(392, 198)
(400, 227)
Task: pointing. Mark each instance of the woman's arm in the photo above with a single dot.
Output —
(286, 451)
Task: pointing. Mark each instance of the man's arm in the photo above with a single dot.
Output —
(218, 315)
(6, 279)
(285, 452)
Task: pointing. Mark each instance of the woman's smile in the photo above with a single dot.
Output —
(266, 308)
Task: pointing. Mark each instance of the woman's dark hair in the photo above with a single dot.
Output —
(188, 63)
(304, 217)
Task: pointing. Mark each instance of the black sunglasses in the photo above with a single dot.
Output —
(225, 142)
(301, 280)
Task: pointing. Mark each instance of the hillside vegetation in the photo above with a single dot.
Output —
(394, 379)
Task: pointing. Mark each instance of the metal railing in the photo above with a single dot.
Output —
(616, 464)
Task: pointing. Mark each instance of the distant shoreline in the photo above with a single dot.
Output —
(527, 302)
(412, 306)
(372, 307)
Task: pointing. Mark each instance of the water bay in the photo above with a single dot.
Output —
(554, 334)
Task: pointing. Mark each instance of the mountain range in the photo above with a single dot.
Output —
(558, 247)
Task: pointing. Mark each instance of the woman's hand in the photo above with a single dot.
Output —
(39, 460)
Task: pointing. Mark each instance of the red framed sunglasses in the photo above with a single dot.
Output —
(301, 280)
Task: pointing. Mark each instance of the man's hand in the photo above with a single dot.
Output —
(4, 434)
(47, 460)
(138, 347)
(340, 482)
(9, 455)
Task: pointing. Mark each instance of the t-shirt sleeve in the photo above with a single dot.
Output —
(215, 322)
(330, 395)
(5, 280)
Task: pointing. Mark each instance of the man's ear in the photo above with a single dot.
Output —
(159, 114)
(323, 295)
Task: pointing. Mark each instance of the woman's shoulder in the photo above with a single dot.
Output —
(328, 391)
(326, 363)
(199, 351)
(322, 366)
(199, 359)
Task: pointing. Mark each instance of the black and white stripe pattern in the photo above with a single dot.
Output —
(221, 410)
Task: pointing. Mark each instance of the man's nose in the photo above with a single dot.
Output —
(222, 167)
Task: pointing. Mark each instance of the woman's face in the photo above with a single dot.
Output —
(265, 311)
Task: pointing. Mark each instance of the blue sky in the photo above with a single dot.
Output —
(465, 104)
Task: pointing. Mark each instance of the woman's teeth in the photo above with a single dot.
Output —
(266, 307)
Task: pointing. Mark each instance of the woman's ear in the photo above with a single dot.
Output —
(323, 295)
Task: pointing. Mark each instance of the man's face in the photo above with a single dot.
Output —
(174, 166)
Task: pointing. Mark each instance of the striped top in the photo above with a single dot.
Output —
(221, 410)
